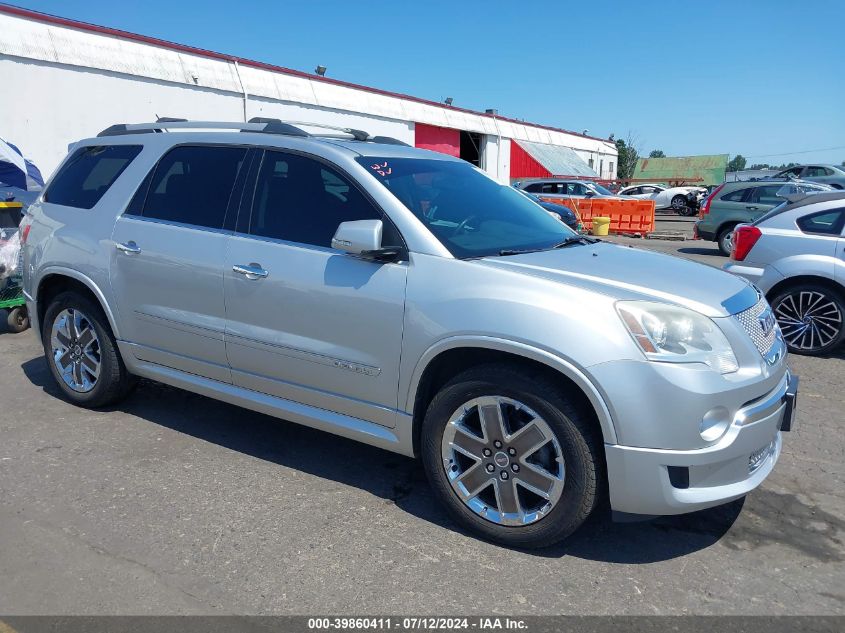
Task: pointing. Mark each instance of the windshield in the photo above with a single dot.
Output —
(470, 213)
(602, 190)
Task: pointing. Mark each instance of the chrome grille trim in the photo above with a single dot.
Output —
(751, 323)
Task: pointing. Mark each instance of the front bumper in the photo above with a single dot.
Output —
(661, 481)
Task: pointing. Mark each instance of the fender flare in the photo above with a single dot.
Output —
(550, 359)
(87, 282)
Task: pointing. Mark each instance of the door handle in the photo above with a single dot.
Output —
(751, 208)
(129, 247)
(251, 271)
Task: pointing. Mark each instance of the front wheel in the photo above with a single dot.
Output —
(679, 204)
(811, 319)
(511, 457)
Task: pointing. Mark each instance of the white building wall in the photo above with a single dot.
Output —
(67, 83)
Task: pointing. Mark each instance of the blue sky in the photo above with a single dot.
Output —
(688, 77)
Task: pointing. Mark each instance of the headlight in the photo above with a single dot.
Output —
(672, 334)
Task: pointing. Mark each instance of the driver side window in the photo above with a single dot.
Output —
(299, 199)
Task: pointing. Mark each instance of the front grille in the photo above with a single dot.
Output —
(763, 331)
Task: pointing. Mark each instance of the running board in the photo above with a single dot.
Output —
(396, 440)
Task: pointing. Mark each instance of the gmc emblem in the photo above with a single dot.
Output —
(767, 321)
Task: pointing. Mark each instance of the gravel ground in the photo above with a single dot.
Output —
(172, 503)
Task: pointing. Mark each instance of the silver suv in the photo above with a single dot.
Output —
(403, 298)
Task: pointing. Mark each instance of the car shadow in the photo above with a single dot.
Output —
(695, 250)
(394, 478)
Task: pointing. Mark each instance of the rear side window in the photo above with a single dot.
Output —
(88, 173)
(192, 185)
(824, 222)
(735, 196)
(767, 194)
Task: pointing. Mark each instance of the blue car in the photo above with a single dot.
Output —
(566, 215)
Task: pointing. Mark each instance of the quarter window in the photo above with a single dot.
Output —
(88, 174)
(824, 222)
(192, 185)
(299, 199)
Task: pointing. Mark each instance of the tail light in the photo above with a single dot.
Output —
(24, 230)
(705, 208)
(744, 239)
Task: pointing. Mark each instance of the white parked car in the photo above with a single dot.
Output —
(677, 198)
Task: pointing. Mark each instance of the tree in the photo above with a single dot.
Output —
(737, 163)
(760, 166)
(657, 153)
(628, 156)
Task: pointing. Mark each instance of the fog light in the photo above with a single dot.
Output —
(714, 424)
(758, 458)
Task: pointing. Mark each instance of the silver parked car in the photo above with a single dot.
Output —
(796, 255)
(833, 175)
(565, 189)
(405, 299)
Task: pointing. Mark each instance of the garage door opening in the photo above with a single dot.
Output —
(471, 147)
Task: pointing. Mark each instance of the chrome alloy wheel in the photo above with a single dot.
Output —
(76, 350)
(503, 460)
(808, 319)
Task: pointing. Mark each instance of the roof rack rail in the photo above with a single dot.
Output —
(358, 135)
(269, 126)
(389, 140)
(262, 125)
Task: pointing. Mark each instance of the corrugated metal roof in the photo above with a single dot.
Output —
(709, 168)
(559, 160)
(64, 41)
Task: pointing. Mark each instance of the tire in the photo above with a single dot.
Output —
(112, 382)
(18, 319)
(576, 488)
(725, 240)
(678, 204)
(811, 318)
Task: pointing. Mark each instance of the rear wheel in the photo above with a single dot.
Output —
(511, 457)
(81, 352)
(811, 318)
(725, 240)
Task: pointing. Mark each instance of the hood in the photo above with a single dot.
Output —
(634, 273)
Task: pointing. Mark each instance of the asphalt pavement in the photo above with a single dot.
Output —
(173, 503)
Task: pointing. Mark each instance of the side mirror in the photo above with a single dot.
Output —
(590, 193)
(363, 238)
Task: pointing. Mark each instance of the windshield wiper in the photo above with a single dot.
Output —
(576, 239)
(519, 251)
